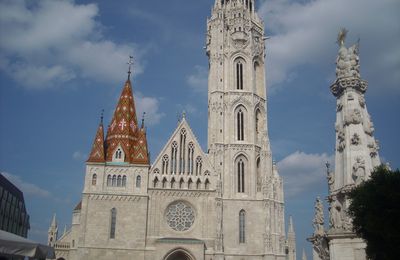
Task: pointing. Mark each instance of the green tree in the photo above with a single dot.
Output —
(375, 209)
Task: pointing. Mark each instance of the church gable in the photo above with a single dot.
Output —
(182, 164)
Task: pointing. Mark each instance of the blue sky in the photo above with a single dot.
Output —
(62, 62)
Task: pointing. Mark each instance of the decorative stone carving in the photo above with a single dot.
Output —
(320, 246)
(219, 224)
(355, 140)
(369, 127)
(179, 216)
(335, 214)
(373, 148)
(240, 39)
(339, 105)
(318, 222)
(341, 140)
(258, 45)
(358, 173)
(361, 100)
(353, 117)
(347, 62)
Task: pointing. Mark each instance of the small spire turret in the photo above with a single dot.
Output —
(97, 153)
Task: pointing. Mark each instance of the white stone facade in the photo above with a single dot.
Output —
(227, 203)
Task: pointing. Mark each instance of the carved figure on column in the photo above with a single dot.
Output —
(355, 140)
(330, 177)
(318, 222)
(353, 117)
(335, 214)
(347, 62)
(358, 170)
(341, 140)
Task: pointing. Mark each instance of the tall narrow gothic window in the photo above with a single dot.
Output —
(94, 179)
(164, 169)
(242, 221)
(109, 181)
(114, 180)
(239, 75)
(113, 222)
(174, 151)
(258, 175)
(124, 181)
(182, 147)
(199, 163)
(240, 175)
(119, 181)
(190, 158)
(240, 125)
(138, 181)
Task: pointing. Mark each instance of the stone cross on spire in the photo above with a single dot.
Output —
(130, 63)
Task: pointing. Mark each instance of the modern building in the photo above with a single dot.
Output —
(226, 203)
(13, 215)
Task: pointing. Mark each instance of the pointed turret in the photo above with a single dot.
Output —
(125, 141)
(97, 154)
(53, 232)
(291, 241)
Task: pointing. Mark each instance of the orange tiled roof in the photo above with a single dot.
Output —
(124, 131)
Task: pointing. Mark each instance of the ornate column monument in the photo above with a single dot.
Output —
(356, 155)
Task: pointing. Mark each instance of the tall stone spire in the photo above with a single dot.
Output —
(356, 148)
(97, 153)
(356, 151)
(291, 240)
(53, 232)
(126, 141)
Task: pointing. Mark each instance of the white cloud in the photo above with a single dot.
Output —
(26, 187)
(150, 106)
(79, 156)
(305, 33)
(47, 43)
(198, 81)
(300, 171)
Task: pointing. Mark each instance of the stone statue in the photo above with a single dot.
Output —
(335, 214)
(341, 140)
(358, 170)
(330, 177)
(347, 62)
(318, 222)
(353, 117)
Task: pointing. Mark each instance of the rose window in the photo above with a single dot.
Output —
(180, 216)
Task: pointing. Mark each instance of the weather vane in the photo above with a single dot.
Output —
(130, 63)
(102, 116)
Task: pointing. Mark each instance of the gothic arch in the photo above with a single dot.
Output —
(179, 254)
(240, 122)
(242, 176)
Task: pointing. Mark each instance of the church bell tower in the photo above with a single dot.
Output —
(250, 212)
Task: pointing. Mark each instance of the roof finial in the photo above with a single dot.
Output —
(184, 114)
(102, 116)
(130, 63)
(144, 113)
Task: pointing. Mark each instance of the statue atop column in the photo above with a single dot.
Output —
(347, 62)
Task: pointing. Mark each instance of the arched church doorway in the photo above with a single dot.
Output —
(179, 254)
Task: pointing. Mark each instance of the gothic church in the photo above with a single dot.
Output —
(227, 203)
